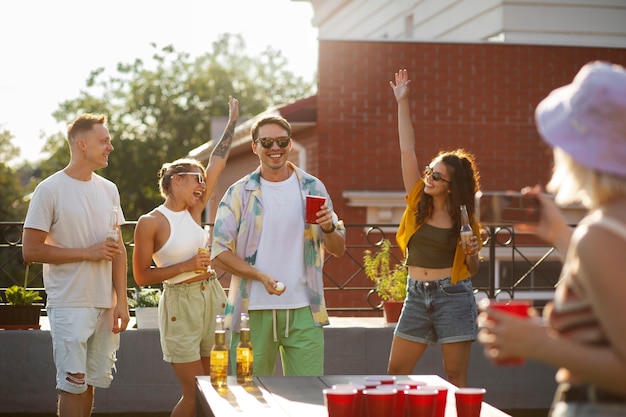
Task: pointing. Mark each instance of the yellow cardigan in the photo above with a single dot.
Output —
(408, 226)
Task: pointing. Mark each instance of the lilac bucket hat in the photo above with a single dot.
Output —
(587, 118)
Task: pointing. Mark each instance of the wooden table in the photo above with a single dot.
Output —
(292, 396)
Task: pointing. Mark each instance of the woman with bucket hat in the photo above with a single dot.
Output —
(583, 332)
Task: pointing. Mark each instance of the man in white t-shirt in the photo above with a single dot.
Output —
(262, 239)
(84, 273)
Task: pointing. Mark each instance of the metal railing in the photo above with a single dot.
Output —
(512, 266)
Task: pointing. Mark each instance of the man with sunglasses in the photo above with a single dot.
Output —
(261, 238)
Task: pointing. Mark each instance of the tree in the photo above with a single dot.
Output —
(161, 113)
(11, 191)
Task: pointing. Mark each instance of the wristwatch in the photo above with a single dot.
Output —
(332, 229)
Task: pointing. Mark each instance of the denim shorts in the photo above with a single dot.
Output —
(437, 311)
(83, 342)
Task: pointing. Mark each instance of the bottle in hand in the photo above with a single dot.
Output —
(219, 355)
(112, 233)
(245, 356)
(466, 230)
(206, 247)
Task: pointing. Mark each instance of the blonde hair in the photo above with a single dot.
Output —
(168, 170)
(84, 123)
(572, 182)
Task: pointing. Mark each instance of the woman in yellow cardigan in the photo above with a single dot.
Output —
(440, 304)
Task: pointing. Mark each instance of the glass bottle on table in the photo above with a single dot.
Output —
(206, 247)
(245, 355)
(466, 230)
(112, 231)
(219, 355)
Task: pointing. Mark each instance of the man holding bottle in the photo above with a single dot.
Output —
(66, 229)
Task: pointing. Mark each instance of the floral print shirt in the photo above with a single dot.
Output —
(238, 229)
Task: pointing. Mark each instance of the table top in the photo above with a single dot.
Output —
(293, 396)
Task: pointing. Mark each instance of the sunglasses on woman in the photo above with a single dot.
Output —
(198, 174)
(428, 171)
(268, 142)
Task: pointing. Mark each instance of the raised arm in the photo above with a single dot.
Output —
(217, 160)
(410, 168)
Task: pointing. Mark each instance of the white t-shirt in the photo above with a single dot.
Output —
(76, 215)
(281, 248)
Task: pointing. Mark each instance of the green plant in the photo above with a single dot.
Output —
(390, 280)
(145, 297)
(18, 295)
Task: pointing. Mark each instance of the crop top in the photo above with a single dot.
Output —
(186, 236)
(431, 247)
(408, 227)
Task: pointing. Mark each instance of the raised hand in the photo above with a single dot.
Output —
(401, 86)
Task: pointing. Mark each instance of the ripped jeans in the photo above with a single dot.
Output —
(84, 347)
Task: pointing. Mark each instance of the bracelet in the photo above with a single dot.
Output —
(332, 229)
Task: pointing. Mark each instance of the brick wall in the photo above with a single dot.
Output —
(477, 96)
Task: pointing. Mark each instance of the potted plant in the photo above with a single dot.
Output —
(20, 312)
(146, 302)
(390, 280)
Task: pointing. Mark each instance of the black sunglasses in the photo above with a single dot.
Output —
(267, 143)
(436, 175)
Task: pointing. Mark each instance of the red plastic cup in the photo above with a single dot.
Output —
(380, 402)
(314, 204)
(359, 394)
(469, 401)
(515, 307)
(341, 402)
(420, 402)
(440, 401)
(382, 379)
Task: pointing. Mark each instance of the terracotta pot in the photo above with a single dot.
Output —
(20, 317)
(392, 310)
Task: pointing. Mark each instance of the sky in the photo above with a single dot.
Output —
(48, 48)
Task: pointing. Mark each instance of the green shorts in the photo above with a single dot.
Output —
(290, 332)
(187, 319)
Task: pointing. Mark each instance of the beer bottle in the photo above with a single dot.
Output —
(206, 247)
(466, 230)
(245, 355)
(112, 232)
(219, 355)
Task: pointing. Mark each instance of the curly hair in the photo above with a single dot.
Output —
(464, 183)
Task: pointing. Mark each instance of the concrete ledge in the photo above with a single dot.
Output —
(144, 383)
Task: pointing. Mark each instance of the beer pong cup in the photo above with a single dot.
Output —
(341, 401)
(420, 402)
(469, 401)
(515, 307)
(360, 407)
(380, 402)
(314, 204)
(400, 397)
(440, 401)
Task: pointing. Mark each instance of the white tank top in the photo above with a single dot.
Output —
(186, 236)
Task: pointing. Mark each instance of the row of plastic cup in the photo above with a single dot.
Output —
(373, 397)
